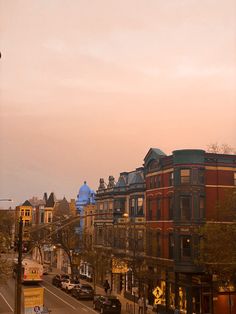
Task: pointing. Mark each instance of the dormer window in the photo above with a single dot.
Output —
(153, 165)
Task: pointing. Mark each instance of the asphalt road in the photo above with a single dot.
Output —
(55, 299)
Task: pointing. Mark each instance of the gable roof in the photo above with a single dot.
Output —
(26, 203)
(51, 200)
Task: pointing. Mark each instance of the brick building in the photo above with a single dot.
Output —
(179, 194)
(182, 193)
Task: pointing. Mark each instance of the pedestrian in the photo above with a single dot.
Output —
(106, 286)
(176, 311)
(140, 305)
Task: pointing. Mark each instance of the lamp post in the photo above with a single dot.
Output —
(134, 247)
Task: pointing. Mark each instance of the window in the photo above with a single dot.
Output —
(140, 206)
(153, 165)
(149, 205)
(27, 223)
(234, 178)
(202, 207)
(171, 207)
(158, 209)
(27, 212)
(185, 176)
(201, 178)
(152, 182)
(171, 245)
(120, 205)
(22, 212)
(186, 246)
(42, 217)
(185, 207)
(49, 217)
(132, 207)
(158, 239)
(158, 181)
(171, 178)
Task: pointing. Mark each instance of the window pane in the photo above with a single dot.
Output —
(201, 176)
(171, 178)
(202, 207)
(171, 207)
(185, 175)
(158, 209)
(186, 246)
(185, 207)
(171, 245)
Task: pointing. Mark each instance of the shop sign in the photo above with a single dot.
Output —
(119, 266)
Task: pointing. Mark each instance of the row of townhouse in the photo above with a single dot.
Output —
(146, 223)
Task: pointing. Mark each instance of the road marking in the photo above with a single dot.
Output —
(85, 306)
(6, 302)
(74, 308)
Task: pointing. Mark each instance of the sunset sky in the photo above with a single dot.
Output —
(87, 87)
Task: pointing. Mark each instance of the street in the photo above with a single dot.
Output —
(56, 300)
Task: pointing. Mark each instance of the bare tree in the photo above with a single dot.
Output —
(217, 148)
(6, 230)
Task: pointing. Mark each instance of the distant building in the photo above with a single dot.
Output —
(85, 197)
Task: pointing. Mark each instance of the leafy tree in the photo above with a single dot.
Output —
(218, 246)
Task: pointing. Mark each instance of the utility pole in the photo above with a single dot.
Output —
(19, 270)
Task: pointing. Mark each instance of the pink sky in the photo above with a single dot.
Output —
(87, 87)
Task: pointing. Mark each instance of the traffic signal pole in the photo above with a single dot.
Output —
(19, 270)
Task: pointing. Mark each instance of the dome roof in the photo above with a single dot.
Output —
(85, 196)
(84, 188)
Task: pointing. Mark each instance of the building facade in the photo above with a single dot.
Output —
(182, 193)
(149, 228)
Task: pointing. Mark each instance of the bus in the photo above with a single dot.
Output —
(32, 271)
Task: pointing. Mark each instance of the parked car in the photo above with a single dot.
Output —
(57, 280)
(83, 291)
(107, 304)
(69, 284)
